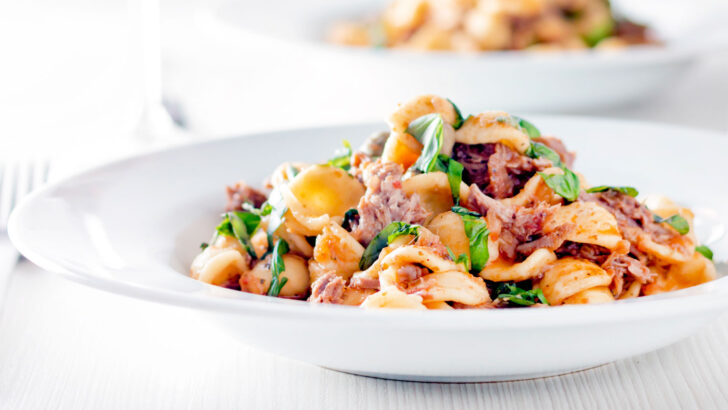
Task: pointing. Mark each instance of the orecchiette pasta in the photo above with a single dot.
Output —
(483, 25)
(491, 216)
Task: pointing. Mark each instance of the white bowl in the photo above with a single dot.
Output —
(510, 80)
(132, 227)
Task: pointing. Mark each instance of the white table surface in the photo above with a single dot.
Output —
(66, 346)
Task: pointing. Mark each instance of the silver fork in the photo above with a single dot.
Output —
(17, 179)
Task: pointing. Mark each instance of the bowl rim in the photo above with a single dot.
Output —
(711, 296)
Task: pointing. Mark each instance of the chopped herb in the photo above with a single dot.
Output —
(676, 221)
(342, 159)
(454, 171)
(278, 266)
(292, 171)
(477, 232)
(599, 33)
(539, 150)
(241, 226)
(462, 259)
(204, 245)
(566, 185)
(627, 190)
(528, 127)
(350, 216)
(507, 119)
(459, 120)
(427, 130)
(705, 251)
(388, 234)
(276, 208)
(515, 295)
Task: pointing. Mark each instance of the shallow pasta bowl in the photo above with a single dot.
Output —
(132, 228)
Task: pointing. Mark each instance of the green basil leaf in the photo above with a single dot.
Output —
(515, 295)
(241, 226)
(599, 33)
(463, 258)
(204, 245)
(566, 185)
(476, 229)
(454, 171)
(464, 211)
(384, 238)
(428, 130)
(676, 221)
(539, 150)
(459, 120)
(705, 251)
(528, 127)
(277, 211)
(342, 159)
(278, 266)
(627, 190)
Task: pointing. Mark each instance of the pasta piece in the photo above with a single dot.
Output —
(337, 252)
(219, 265)
(569, 276)
(285, 173)
(416, 108)
(412, 254)
(355, 296)
(633, 291)
(393, 298)
(450, 228)
(599, 294)
(402, 16)
(592, 224)
(492, 127)
(451, 286)
(259, 278)
(437, 305)
(533, 192)
(402, 148)
(698, 269)
(504, 271)
(319, 194)
(434, 191)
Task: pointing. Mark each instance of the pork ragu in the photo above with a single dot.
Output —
(447, 212)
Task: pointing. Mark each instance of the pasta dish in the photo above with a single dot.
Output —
(481, 25)
(444, 211)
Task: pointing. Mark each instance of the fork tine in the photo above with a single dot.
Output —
(7, 193)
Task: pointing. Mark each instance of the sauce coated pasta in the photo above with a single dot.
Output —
(481, 25)
(447, 212)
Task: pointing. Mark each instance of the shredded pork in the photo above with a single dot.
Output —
(327, 289)
(241, 193)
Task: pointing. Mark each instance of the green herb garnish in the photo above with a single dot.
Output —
(528, 127)
(454, 171)
(627, 190)
(384, 238)
(462, 259)
(459, 120)
(427, 130)
(477, 232)
(240, 225)
(342, 159)
(204, 245)
(676, 221)
(513, 294)
(705, 251)
(277, 266)
(276, 208)
(567, 185)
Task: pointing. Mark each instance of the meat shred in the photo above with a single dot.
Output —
(329, 288)
(497, 169)
(241, 193)
(385, 202)
(567, 157)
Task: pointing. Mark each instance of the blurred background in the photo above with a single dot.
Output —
(83, 75)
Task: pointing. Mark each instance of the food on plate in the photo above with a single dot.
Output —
(450, 212)
(484, 25)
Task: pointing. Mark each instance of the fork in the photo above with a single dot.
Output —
(17, 179)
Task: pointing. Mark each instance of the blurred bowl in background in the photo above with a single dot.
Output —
(511, 80)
